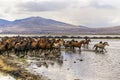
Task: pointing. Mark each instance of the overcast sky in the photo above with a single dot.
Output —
(91, 13)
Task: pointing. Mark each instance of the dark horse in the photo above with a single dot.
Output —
(86, 43)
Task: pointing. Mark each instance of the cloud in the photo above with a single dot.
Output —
(100, 4)
(42, 6)
(92, 13)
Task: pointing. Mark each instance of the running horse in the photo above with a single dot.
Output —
(100, 47)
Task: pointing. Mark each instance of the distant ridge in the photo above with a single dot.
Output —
(4, 22)
(39, 25)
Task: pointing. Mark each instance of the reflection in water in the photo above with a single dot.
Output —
(6, 77)
(85, 66)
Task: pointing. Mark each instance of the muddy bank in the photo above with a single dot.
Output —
(9, 66)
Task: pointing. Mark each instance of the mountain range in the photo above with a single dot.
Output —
(39, 25)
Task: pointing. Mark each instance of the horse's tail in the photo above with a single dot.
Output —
(94, 46)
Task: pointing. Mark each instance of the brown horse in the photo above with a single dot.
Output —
(77, 44)
(34, 46)
(42, 43)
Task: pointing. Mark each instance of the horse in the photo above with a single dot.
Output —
(21, 47)
(6, 45)
(61, 42)
(86, 43)
(77, 44)
(100, 47)
(45, 44)
(34, 46)
(42, 44)
(67, 44)
(49, 45)
(58, 43)
(3, 47)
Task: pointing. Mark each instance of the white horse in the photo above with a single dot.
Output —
(100, 47)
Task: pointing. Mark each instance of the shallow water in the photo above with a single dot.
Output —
(6, 77)
(86, 65)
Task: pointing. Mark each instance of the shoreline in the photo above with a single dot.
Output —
(67, 37)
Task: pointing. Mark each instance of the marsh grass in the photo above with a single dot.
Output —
(7, 65)
(4, 66)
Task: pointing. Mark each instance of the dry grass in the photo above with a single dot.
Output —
(5, 67)
(9, 67)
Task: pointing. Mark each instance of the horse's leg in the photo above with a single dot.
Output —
(84, 45)
(17, 52)
(87, 46)
(50, 49)
(59, 48)
(7, 53)
(104, 49)
(96, 48)
(26, 53)
(53, 49)
(1, 53)
(101, 50)
(79, 49)
(33, 52)
(36, 51)
(73, 48)
(65, 47)
(22, 53)
(42, 52)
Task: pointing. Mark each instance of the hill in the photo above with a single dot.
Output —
(39, 25)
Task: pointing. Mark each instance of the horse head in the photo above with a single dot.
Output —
(106, 43)
(82, 42)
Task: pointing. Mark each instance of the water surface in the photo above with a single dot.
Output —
(86, 65)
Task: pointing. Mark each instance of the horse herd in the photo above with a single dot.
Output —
(22, 45)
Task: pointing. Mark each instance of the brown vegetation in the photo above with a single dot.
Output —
(9, 67)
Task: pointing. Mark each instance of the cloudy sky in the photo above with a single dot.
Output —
(91, 13)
